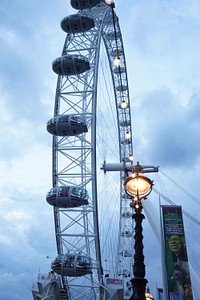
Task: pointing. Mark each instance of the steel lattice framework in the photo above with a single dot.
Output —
(75, 157)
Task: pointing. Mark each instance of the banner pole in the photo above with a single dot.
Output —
(165, 293)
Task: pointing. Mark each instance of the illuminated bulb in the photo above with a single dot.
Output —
(137, 206)
(138, 185)
(148, 295)
(117, 61)
(127, 135)
(131, 157)
(109, 2)
(124, 104)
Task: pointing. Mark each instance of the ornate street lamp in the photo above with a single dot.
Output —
(138, 187)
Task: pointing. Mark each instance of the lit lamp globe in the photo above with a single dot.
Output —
(131, 157)
(138, 186)
(127, 135)
(109, 2)
(148, 295)
(124, 104)
(116, 61)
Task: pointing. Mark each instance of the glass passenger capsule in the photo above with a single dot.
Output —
(66, 125)
(72, 265)
(77, 23)
(67, 196)
(84, 4)
(67, 65)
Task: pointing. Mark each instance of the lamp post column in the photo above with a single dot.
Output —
(138, 282)
(138, 187)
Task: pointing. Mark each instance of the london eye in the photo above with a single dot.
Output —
(91, 126)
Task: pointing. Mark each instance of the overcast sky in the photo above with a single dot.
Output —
(162, 46)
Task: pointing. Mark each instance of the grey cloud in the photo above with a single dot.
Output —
(23, 251)
(171, 130)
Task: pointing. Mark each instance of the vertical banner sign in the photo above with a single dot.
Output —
(176, 260)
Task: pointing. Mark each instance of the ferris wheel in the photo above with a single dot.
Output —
(91, 128)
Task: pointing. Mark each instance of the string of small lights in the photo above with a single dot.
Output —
(117, 63)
